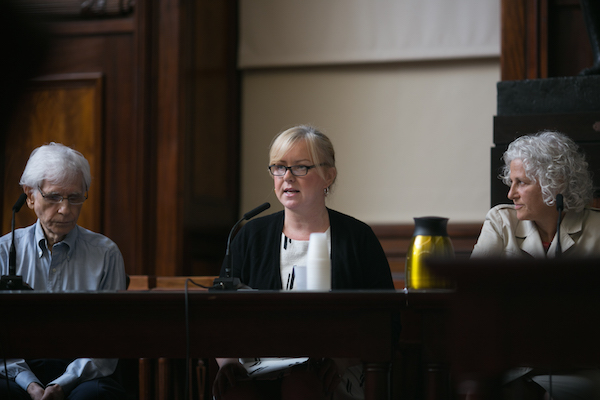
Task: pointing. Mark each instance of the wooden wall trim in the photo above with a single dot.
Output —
(512, 55)
(169, 235)
(532, 23)
(543, 39)
(93, 27)
(524, 39)
(143, 129)
(582, 127)
(73, 78)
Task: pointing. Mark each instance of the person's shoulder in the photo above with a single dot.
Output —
(266, 219)
(592, 213)
(502, 210)
(505, 208)
(503, 214)
(94, 238)
(263, 222)
(19, 233)
(342, 217)
(6, 237)
(338, 218)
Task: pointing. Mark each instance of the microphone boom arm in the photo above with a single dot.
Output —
(560, 208)
(12, 281)
(228, 282)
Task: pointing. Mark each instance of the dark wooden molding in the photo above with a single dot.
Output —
(94, 27)
(169, 137)
(542, 39)
(582, 127)
(78, 8)
(512, 56)
(524, 39)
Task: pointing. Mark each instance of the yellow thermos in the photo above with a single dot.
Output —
(430, 239)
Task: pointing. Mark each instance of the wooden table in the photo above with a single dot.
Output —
(509, 313)
(221, 324)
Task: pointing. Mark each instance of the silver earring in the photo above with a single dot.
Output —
(326, 191)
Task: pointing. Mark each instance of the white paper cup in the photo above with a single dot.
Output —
(299, 277)
(317, 247)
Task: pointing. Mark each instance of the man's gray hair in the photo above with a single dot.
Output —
(55, 163)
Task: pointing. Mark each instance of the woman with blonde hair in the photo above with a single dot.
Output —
(302, 164)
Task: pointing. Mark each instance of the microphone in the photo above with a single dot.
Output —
(253, 213)
(229, 283)
(20, 201)
(559, 207)
(12, 258)
(12, 281)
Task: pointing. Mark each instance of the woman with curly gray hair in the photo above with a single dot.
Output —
(553, 160)
(537, 168)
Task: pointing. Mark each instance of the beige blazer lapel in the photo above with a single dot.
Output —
(529, 237)
(571, 225)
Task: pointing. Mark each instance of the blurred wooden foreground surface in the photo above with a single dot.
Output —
(533, 313)
(138, 324)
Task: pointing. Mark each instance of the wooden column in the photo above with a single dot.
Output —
(169, 138)
(542, 39)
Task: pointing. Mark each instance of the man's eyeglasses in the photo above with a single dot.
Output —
(296, 170)
(74, 199)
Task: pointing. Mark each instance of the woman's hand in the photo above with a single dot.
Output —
(230, 371)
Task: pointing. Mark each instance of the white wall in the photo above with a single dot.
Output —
(412, 139)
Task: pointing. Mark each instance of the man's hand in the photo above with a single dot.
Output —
(53, 392)
(35, 391)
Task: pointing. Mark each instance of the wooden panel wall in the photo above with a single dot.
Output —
(60, 108)
(168, 127)
(108, 48)
(212, 151)
(169, 120)
(542, 39)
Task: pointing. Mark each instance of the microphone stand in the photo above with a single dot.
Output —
(228, 282)
(559, 207)
(12, 281)
(558, 254)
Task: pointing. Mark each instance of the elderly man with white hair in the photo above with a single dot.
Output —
(57, 255)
